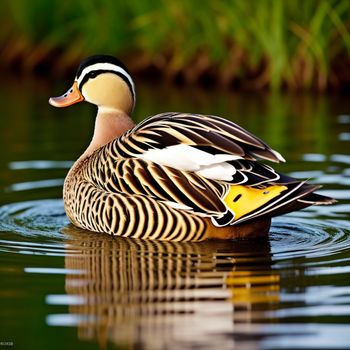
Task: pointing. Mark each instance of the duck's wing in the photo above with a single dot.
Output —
(210, 146)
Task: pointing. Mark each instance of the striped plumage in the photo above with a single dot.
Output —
(175, 176)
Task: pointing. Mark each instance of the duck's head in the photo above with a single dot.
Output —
(102, 80)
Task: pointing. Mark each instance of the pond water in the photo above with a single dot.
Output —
(63, 287)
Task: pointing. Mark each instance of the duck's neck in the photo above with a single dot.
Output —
(109, 124)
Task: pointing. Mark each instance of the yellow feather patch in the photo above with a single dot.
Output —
(243, 200)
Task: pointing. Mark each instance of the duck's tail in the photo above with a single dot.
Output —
(303, 201)
(248, 203)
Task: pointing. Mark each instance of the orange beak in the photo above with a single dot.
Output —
(73, 95)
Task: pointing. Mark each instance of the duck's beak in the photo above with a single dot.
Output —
(73, 95)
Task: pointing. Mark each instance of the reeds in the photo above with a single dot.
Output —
(253, 44)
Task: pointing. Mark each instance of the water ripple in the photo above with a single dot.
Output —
(292, 236)
(42, 218)
(40, 164)
(31, 185)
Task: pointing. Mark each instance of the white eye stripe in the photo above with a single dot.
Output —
(106, 66)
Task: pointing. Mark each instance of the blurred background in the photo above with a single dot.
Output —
(276, 44)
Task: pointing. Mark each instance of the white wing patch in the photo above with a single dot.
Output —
(222, 171)
(187, 158)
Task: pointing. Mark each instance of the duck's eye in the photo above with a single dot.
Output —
(92, 75)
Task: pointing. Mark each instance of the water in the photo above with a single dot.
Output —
(63, 287)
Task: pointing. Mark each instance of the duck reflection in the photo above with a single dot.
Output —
(167, 294)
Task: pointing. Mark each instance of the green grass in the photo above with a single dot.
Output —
(293, 44)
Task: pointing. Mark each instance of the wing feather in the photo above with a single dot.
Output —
(217, 135)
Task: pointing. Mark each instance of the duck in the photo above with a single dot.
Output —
(175, 176)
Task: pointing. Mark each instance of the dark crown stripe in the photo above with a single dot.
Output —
(100, 59)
